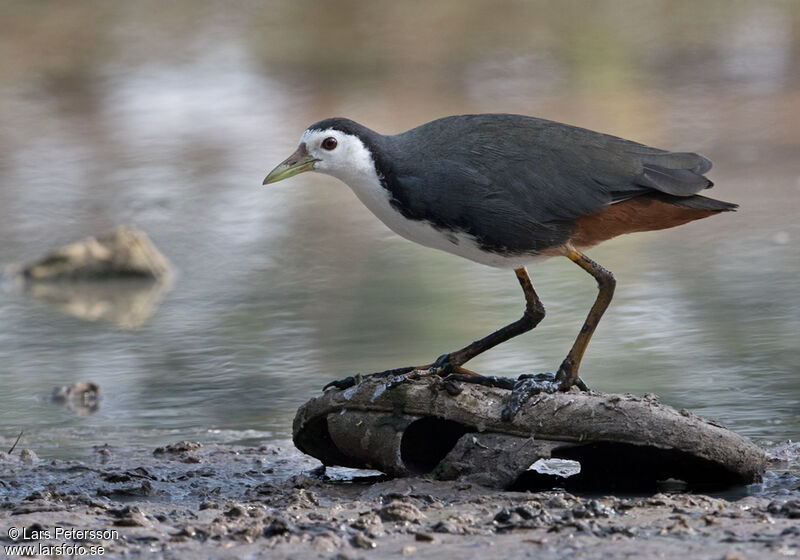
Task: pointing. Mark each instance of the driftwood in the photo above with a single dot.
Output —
(620, 441)
(122, 253)
(120, 277)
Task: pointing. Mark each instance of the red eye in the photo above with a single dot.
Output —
(329, 143)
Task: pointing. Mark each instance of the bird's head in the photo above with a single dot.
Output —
(333, 146)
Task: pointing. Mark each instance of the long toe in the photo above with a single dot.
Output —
(525, 387)
(340, 384)
(566, 379)
(464, 371)
(443, 365)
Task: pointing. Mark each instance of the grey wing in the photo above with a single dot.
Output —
(453, 196)
(580, 175)
(530, 182)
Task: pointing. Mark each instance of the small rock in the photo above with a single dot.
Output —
(116, 477)
(592, 509)
(527, 512)
(80, 390)
(279, 526)
(236, 511)
(187, 531)
(250, 533)
(557, 502)
(146, 489)
(302, 481)
(401, 511)
(504, 515)
(445, 527)
(359, 540)
(790, 509)
(266, 489)
(125, 252)
(370, 524)
(622, 530)
(424, 537)
(86, 499)
(129, 516)
(179, 447)
(132, 519)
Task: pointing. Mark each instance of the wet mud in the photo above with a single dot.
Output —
(222, 501)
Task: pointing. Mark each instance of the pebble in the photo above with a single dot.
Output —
(401, 511)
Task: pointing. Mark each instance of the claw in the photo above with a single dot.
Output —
(401, 378)
(340, 384)
(351, 380)
(529, 385)
(525, 387)
(522, 389)
(442, 365)
(486, 381)
(393, 372)
(580, 384)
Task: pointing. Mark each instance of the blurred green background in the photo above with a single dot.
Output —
(167, 116)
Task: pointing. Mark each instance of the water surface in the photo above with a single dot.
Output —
(167, 117)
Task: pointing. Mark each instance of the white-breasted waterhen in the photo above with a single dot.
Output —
(508, 191)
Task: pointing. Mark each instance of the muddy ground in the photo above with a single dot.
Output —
(189, 500)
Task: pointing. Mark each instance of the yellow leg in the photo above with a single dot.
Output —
(534, 313)
(568, 372)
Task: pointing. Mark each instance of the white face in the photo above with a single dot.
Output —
(342, 155)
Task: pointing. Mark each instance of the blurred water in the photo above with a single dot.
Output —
(168, 116)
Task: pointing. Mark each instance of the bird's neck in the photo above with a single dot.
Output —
(364, 173)
(367, 186)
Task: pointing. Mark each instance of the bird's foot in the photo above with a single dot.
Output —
(532, 384)
(522, 388)
(352, 380)
(525, 387)
(444, 366)
(394, 377)
(484, 380)
(345, 383)
(567, 376)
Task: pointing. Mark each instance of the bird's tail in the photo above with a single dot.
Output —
(698, 202)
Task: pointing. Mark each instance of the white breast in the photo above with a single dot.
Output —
(374, 196)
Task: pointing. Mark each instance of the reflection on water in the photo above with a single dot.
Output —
(126, 304)
(167, 116)
(81, 398)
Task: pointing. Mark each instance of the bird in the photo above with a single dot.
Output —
(510, 191)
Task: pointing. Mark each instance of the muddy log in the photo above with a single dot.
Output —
(122, 253)
(620, 441)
